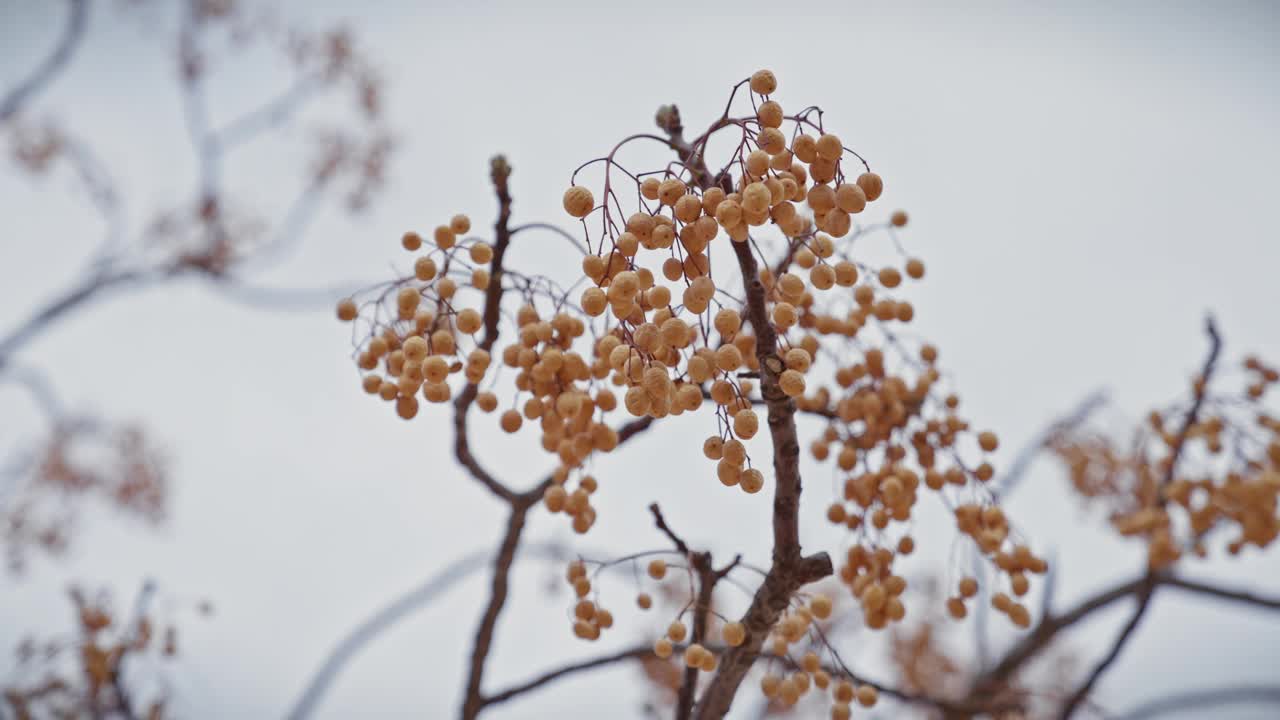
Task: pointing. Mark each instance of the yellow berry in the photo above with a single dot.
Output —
(469, 321)
(347, 310)
(424, 268)
(411, 241)
(872, 185)
(460, 224)
(829, 147)
(820, 606)
(792, 383)
(662, 648)
(746, 423)
(763, 82)
(988, 441)
(850, 198)
(578, 201)
(671, 190)
(898, 218)
(734, 634)
(445, 237)
(658, 570)
(770, 114)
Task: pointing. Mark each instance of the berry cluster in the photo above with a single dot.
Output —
(1212, 464)
(671, 312)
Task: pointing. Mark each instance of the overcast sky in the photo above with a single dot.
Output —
(1085, 182)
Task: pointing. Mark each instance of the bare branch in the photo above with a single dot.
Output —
(634, 653)
(63, 304)
(1051, 625)
(375, 625)
(1239, 596)
(270, 114)
(1143, 599)
(473, 701)
(72, 34)
(1201, 387)
(1004, 486)
(661, 522)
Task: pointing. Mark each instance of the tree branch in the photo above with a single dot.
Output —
(1006, 484)
(65, 303)
(789, 570)
(661, 522)
(360, 636)
(500, 171)
(72, 34)
(473, 701)
(1144, 593)
(634, 653)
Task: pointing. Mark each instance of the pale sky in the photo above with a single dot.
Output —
(1085, 182)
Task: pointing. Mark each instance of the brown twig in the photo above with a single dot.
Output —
(473, 701)
(661, 523)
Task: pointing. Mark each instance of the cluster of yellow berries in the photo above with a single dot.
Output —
(588, 617)
(1227, 472)
(657, 332)
(677, 340)
(416, 339)
(988, 528)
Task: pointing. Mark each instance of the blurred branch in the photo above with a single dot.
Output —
(65, 303)
(1143, 595)
(270, 114)
(1017, 472)
(1201, 386)
(1147, 587)
(43, 74)
(1050, 626)
(1200, 699)
(376, 624)
(38, 386)
(634, 653)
